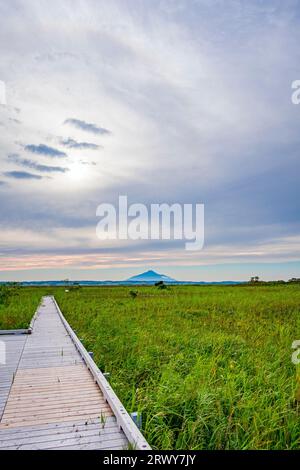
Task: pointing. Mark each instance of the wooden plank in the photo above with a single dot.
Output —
(57, 393)
(119, 444)
(39, 409)
(56, 417)
(88, 443)
(61, 419)
(54, 396)
(24, 410)
(55, 399)
(47, 389)
(57, 378)
(85, 436)
(56, 427)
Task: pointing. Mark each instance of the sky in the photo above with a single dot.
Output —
(168, 101)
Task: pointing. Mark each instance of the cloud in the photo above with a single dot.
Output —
(22, 175)
(83, 162)
(72, 144)
(88, 127)
(36, 166)
(54, 56)
(42, 149)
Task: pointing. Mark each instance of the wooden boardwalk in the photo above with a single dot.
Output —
(53, 396)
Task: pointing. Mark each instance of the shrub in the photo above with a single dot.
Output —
(133, 294)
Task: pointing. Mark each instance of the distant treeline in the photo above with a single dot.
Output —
(7, 289)
(255, 280)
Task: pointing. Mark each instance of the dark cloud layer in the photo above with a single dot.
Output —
(72, 144)
(42, 149)
(36, 166)
(22, 175)
(88, 127)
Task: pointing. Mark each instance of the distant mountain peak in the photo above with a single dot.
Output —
(151, 277)
(149, 273)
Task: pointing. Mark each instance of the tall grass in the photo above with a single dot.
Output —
(208, 367)
(18, 307)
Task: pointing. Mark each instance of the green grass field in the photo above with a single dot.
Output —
(208, 367)
(17, 311)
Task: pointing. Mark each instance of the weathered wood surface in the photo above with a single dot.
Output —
(14, 346)
(124, 420)
(48, 397)
(78, 434)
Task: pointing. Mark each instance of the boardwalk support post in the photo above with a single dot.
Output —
(137, 419)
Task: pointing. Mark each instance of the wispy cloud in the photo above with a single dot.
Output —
(16, 121)
(86, 126)
(83, 162)
(15, 158)
(72, 144)
(22, 175)
(42, 149)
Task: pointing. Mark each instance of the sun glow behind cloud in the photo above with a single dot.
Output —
(79, 175)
